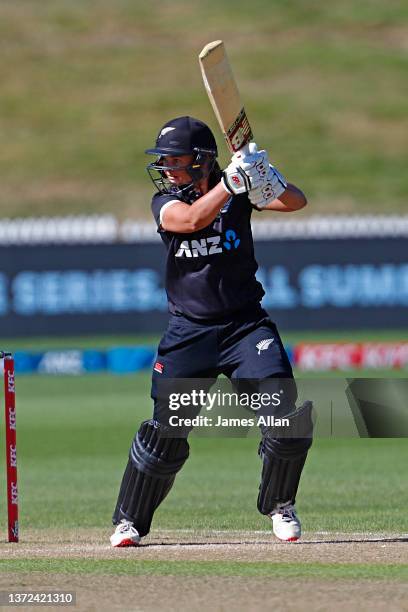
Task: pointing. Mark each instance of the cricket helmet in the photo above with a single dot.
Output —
(182, 136)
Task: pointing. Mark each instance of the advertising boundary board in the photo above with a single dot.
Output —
(118, 288)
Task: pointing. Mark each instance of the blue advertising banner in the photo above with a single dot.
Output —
(118, 288)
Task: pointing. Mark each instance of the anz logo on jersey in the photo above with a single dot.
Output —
(209, 246)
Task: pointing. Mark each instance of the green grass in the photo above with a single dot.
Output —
(332, 571)
(73, 439)
(86, 85)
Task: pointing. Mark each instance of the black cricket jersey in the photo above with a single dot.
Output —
(210, 273)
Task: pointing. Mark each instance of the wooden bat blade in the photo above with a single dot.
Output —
(224, 96)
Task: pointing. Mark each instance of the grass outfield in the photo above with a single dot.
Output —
(73, 438)
(323, 85)
(209, 547)
(334, 571)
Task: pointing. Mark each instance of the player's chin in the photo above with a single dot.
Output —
(178, 180)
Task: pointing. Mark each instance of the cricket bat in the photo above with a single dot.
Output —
(224, 96)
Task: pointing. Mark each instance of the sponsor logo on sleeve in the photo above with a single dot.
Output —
(158, 367)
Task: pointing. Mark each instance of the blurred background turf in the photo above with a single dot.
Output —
(86, 86)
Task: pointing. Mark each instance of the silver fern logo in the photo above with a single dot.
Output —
(263, 345)
(166, 130)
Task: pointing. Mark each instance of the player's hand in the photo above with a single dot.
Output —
(254, 163)
(248, 169)
(234, 179)
(274, 185)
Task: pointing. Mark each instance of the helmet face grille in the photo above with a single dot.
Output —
(186, 193)
(200, 167)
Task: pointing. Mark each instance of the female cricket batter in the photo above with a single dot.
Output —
(216, 320)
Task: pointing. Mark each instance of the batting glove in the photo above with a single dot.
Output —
(234, 179)
(254, 163)
(271, 189)
(248, 169)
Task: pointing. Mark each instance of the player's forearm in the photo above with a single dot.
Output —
(293, 197)
(290, 200)
(205, 209)
(185, 218)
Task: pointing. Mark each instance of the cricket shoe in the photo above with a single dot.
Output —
(125, 535)
(285, 523)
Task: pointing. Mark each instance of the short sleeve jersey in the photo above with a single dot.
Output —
(210, 273)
